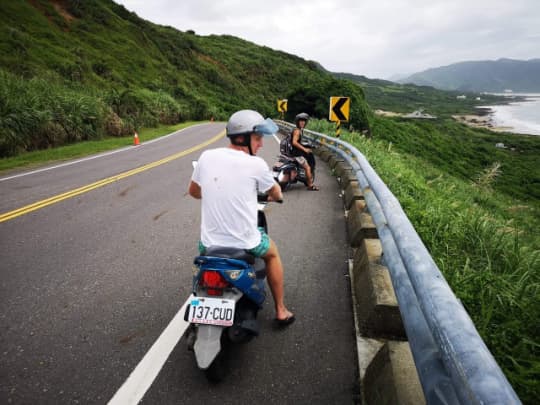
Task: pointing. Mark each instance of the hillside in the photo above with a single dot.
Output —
(72, 70)
(479, 76)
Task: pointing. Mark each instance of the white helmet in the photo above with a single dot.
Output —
(246, 122)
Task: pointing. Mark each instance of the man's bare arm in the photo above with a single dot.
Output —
(275, 193)
(194, 190)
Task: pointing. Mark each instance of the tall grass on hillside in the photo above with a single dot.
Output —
(42, 113)
(37, 114)
(485, 244)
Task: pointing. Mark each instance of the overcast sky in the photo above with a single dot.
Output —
(374, 38)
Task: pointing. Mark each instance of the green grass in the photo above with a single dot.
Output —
(485, 242)
(465, 152)
(40, 157)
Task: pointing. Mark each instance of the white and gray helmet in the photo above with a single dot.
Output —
(246, 122)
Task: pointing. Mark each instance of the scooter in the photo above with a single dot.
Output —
(229, 291)
(287, 171)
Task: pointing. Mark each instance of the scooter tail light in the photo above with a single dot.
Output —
(213, 282)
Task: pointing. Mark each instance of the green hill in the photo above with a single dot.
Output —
(75, 70)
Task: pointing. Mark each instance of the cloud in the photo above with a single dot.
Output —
(376, 38)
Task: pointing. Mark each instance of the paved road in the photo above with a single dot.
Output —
(88, 284)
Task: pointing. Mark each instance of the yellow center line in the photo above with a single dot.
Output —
(72, 193)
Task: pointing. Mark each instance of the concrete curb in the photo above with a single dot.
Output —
(386, 368)
(351, 194)
(360, 224)
(378, 311)
(391, 377)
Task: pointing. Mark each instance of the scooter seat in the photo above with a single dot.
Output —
(230, 253)
(287, 159)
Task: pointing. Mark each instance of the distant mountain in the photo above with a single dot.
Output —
(478, 76)
(397, 77)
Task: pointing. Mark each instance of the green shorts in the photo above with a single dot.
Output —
(258, 251)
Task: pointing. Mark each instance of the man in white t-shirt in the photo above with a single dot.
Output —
(227, 181)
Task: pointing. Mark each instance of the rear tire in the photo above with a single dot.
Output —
(216, 372)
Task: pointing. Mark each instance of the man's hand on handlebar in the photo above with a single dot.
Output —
(274, 194)
(280, 201)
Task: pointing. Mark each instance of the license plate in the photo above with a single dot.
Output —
(211, 311)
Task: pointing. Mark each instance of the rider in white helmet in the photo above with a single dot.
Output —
(227, 181)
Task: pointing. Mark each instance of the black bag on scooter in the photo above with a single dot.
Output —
(285, 146)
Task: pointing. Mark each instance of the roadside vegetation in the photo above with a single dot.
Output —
(484, 240)
(40, 157)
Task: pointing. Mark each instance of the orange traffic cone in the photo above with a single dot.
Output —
(136, 141)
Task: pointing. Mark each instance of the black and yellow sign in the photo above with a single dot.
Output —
(282, 105)
(339, 108)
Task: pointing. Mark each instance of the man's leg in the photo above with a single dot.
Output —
(309, 177)
(274, 271)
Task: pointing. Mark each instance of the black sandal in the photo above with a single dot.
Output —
(282, 323)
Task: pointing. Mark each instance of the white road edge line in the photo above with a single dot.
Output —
(142, 377)
(95, 156)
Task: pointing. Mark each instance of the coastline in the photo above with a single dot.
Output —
(521, 113)
(518, 114)
(481, 120)
(484, 119)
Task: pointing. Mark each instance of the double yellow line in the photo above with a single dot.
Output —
(78, 191)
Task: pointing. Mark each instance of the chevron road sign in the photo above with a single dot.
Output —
(339, 108)
(282, 105)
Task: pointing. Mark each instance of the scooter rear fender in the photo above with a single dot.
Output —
(207, 345)
(208, 341)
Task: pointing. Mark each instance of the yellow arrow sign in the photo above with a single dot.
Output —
(339, 108)
(282, 105)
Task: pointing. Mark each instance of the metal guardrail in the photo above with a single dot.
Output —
(453, 363)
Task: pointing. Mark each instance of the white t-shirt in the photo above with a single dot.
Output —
(229, 180)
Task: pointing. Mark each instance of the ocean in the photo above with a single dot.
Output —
(521, 117)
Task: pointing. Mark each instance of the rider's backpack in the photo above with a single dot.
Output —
(285, 146)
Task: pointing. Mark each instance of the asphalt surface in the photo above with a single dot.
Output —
(88, 284)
